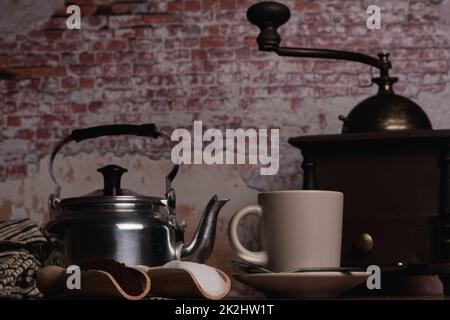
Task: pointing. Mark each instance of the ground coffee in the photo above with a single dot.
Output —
(127, 279)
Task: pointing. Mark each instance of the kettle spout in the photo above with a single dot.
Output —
(202, 244)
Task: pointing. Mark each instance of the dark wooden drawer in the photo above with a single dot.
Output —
(407, 241)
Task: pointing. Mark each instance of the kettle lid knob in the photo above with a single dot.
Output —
(111, 179)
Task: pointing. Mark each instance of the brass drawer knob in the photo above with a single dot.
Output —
(364, 243)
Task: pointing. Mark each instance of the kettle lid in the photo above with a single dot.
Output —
(112, 198)
(112, 176)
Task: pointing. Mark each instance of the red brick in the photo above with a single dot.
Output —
(88, 10)
(10, 85)
(296, 103)
(104, 9)
(145, 57)
(18, 72)
(42, 133)
(79, 107)
(190, 42)
(53, 35)
(26, 134)
(103, 57)
(95, 22)
(176, 5)
(43, 146)
(307, 5)
(9, 46)
(13, 121)
(60, 108)
(193, 103)
(37, 59)
(117, 70)
(9, 108)
(69, 83)
(68, 59)
(121, 8)
(84, 70)
(49, 120)
(199, 55)
(212, 42)
(213, 30)
(192, 5)
(4, 60)
(86, 58)
(60, 120)
(125, 21)
(210, 4)
(226, 16)
(227, 4)
(3, 173)
(221, 54)
(95, 106)
(16, 171)
(87, 83)
(55, 23)
(68, 46)
(33, 84)
(65, 121)
(116, 45)
(49, 72)
(158, 19)
(98, 46)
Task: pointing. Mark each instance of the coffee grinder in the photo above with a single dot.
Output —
(392, 167)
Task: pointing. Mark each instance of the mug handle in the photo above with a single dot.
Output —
(255, 257)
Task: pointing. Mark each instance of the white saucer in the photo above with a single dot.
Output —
(303, 284)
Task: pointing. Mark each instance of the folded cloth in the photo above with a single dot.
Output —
(22, 245)
(17, 275)
(207, 277)
(20, 232)
(184, 279)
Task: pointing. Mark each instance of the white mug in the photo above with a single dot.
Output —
(301, 229)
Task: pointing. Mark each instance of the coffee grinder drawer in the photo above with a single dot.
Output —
(388, 241)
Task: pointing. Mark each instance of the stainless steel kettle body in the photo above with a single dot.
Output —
(134, 241)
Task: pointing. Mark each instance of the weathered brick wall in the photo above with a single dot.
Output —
(172, 62)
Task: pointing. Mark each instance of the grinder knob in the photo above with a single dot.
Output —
(268, 16)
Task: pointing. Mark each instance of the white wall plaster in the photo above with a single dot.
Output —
(436, 105)
(22, 16)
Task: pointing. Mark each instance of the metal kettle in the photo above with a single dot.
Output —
(120, 224)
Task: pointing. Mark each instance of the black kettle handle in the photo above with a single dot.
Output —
(143, 130)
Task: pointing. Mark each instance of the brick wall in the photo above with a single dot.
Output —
(173, 62)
